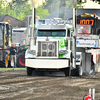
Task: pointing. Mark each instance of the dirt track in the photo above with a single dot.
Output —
(16, 85)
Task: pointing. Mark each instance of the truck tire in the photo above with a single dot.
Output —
(67, 71)
(29, 71)
(4, 63)
(77, 71)
(9, 64)
(21, 60)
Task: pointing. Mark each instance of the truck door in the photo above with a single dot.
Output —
(1, 35)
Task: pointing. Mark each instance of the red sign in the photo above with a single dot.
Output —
(86, 21)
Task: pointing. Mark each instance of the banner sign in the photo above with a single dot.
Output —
(86, 43)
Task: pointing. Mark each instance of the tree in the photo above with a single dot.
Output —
(20, 10)
(97, 0)
(1, 8)
(15, 3)
(41, 12)
(80, 1)
(4, 8)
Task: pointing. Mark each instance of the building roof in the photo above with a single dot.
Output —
(13, 21)
(1, 17)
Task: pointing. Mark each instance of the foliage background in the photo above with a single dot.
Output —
(21, 8)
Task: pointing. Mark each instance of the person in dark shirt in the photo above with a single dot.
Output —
(12, 50)
(12, 54)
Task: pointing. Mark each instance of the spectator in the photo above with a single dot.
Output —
(12, 54)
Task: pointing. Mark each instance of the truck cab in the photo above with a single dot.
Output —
(51, 51)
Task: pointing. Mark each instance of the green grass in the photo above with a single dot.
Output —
(11, 68)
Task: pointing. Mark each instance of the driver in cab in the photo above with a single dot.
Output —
(84, 30)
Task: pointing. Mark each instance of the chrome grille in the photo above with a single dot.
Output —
(47, 49)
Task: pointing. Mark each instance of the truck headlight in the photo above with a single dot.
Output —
(63, 52)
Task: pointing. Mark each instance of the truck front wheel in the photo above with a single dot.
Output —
(29, 71)
(77, 71)
(67, 71)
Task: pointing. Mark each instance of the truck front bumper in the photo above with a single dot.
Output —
(47, 63)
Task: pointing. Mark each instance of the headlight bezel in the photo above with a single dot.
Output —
(61, 52)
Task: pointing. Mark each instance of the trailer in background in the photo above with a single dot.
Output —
(19, 37)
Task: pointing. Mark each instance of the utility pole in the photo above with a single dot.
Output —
(74, 3)
(33, 24)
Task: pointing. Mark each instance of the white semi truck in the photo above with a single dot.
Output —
(52, 50)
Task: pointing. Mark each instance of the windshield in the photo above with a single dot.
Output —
(54, 33)
(1, 34)
(18, 31)
(84, 29)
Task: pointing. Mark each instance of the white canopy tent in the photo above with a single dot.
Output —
(91, 5)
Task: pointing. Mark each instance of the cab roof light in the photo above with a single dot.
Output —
(8, 21)
(94, 15)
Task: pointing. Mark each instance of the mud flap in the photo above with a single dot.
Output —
(86, 63)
